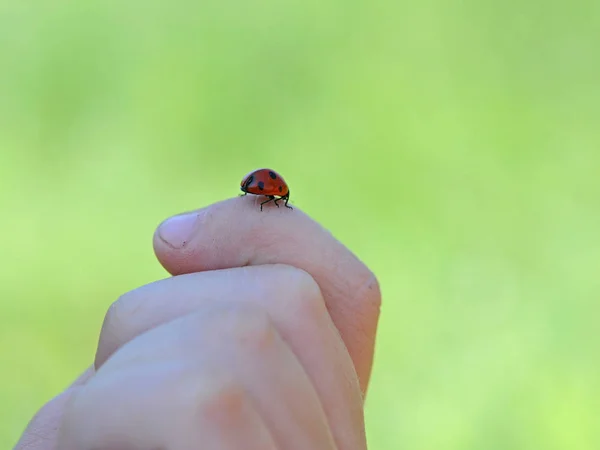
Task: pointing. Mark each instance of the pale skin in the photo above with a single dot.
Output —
(262, 339)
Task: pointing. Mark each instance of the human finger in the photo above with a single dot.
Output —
(293, 301)
(235, 233)
(176, 385)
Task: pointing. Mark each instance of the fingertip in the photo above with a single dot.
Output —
(202, 239)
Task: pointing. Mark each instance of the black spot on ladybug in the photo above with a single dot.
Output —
(272, 174)
(249, 181)
(280, 188)
(261, 185)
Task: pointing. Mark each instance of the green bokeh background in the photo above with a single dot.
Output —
(453, 146)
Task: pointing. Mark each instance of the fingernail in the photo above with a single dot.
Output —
(177, 231)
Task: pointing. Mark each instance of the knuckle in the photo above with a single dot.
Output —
(366, 308)
(372, 291)
(116, 327)
(220, 401)
(234, 324)
(120, 311)
(305, 284)
(365, 297)
(113, 314)
(255, 331)
(302, 294)
(237, 324)
(114, 320)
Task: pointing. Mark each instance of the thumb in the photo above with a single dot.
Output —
(235, 233)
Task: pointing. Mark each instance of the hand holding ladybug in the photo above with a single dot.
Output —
(257, 341)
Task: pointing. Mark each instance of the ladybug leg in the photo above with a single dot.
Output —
(271, 198)
(287, 198)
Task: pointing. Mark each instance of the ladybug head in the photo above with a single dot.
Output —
(246, 182)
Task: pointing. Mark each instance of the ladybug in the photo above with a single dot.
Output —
(266, 182)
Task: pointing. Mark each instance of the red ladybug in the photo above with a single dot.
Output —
(266, 182)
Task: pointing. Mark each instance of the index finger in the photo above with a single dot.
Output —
(235, 233)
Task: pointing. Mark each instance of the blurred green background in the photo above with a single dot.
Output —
(453, 146)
